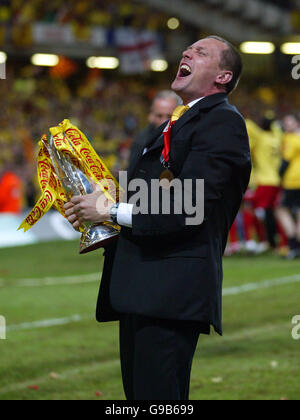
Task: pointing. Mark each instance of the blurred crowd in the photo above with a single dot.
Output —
(76, 12)
(112, 111)
(99, 12)
(17, 17)
(284, 4)
(109, 112)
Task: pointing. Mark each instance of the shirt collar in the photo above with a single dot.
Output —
(194, 102)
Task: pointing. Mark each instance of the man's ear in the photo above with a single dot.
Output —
(224, 78)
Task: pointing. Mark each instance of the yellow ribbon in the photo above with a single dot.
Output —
(178, 112)
(49, 186)
(70, 141)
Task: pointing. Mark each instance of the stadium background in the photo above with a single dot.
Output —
(54, 348)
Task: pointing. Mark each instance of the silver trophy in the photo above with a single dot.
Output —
(75, 182)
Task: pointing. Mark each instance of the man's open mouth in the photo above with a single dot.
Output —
(184, 70)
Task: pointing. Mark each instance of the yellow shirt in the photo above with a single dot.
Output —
(266, 154)
(291, 153)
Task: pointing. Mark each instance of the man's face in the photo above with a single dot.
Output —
(161, 111)
(199, 70)
(290, 124)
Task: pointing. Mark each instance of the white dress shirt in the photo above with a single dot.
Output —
(124, 215)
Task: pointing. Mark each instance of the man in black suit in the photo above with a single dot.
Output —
(161, 110)
(163, 278)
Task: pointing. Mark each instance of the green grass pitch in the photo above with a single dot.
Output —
(55, 350)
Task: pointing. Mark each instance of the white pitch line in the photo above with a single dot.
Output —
(63, 375)
(46, 323)
(261, 285)
(54, 281)
(108, 364)
(93, 277)
(226, 292)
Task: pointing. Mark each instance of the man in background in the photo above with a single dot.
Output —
(265, 145)
(162, 108)
(289, 211)
(11, 191)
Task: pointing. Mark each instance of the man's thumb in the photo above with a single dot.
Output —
(94, 185)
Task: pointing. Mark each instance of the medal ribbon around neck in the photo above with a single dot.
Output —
(178, 112)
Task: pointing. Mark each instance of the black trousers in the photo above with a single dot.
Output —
(156, 357)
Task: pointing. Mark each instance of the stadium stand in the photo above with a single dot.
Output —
(112, 107)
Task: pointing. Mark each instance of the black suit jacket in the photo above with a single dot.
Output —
(139, 143)
(162, 267)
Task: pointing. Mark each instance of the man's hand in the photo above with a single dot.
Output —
(93, 208)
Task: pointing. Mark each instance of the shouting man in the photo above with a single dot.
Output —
(162, 279)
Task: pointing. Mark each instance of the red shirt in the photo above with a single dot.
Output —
(11, 193)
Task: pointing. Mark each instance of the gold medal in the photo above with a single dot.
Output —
(166, 177)
(167, 174)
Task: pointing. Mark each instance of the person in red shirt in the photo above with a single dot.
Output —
(11, 192)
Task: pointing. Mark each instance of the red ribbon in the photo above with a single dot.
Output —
(167, 141)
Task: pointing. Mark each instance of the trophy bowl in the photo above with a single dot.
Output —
(68, 166)
(97, 236)
(75, 182)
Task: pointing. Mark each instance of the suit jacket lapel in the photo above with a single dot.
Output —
(206, 103)
(178, 124)
(156, 140)
(155, 135)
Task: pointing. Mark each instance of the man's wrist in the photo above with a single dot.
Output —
(125, 212)
(113, 212)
